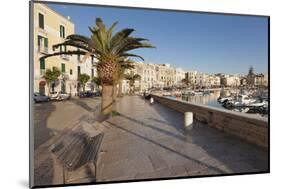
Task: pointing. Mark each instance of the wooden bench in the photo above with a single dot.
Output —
(76, 149)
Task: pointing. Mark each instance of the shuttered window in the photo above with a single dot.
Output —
(41, 20)
(45, 42)
(62, 67)
(42, 64)
(62, 31)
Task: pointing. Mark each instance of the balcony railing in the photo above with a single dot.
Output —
(43, 49)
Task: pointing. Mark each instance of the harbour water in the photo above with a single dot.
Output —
(210, 99)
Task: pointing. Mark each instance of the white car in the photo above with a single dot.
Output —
(37, 97)
(59, 96)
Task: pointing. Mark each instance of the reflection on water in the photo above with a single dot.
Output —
(210, 100)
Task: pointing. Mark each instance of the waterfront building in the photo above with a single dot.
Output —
(259, 80)
(230, 80)
(191, 77)
(165, 75)
(51, 28)
(180, 75)
(202, 80)
(86, 66)
(214, 81)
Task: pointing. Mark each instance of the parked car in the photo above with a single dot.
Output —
(64, 96)
(59, 95)
(86, 94)
(98, 93)
(37, 97)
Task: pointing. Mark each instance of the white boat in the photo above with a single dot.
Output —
(224, 99)
(245, 101)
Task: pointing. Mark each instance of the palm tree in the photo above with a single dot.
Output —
(83, 79)
(109, 49)
(51, 76)
(132, 78)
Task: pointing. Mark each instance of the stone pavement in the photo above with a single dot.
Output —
(150, 142)
(51, 121)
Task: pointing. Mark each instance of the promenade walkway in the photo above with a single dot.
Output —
(150, 142)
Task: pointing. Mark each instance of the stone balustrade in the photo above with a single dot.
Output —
(245, 126)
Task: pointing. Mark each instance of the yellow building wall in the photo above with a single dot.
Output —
(52, 22)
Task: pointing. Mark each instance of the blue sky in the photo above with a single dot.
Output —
(208, 43)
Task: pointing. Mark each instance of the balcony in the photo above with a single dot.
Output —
(64, 57)
(43, 49)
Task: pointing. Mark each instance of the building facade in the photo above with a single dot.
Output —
(230, 81)
(52, 28)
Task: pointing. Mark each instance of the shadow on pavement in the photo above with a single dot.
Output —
(237, 155)
(41, 114)
(167, 148)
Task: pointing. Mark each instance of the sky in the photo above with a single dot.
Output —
(209, 43)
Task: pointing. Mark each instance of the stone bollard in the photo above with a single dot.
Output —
(151, 100)
(188, 120)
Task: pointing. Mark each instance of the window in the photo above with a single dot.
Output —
(63, 68)
(62, 31)
(42, 41)
(42, 64)
(70, 71)
(41, 21)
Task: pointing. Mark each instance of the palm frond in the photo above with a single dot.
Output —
(119, 36)
(131, 55)
(64, 53)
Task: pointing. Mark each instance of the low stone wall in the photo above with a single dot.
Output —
(244, 126)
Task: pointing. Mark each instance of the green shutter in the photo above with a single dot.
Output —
(39, 37)
(41, 20)
(46, 42)
(63, 32)
(70, 71)
(62, 67)
(42, 64)
(60, 30)
(60, 48)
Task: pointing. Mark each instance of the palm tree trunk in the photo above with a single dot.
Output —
(114, 96)
(107, 99)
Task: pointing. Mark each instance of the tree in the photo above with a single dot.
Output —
(109, 49)
(97, 81)
(132, 78)
(83, 79)
(51, 76)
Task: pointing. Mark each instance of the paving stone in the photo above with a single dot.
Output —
(143, 142)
